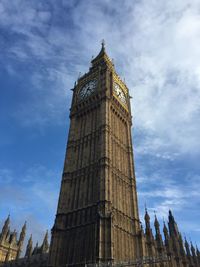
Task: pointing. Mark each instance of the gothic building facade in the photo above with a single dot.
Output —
(97, 220)
(10, 246)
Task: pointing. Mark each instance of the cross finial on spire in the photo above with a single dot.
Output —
(103, 44)
(145, 206)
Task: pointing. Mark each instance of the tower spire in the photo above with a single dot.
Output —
(173, 228)
(156, 224)
(150, 241)
(198, 255)
(22, 235)
(35, 250)
(148, 229)
(194, 256)
(103, 44)
(102, 58)
(5, 228)
(147, 219)
(168, 243)
(45, 243)
(158, 237)
(157, 227)
(29, 247)
(187, 248)
(21, 240)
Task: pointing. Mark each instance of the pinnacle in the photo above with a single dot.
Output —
(103, 44)
(146, 217)
(102, 55)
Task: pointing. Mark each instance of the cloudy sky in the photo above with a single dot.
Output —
(45, 45)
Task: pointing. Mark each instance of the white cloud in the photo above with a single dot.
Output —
(155, 45)
(163, 191)
(164, 75)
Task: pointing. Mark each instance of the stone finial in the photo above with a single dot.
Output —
(146, 216)
(156, 223)
(103, 44)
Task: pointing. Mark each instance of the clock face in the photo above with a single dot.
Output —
(87, 89)
(120, 93)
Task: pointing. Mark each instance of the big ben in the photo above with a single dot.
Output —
(97, 218)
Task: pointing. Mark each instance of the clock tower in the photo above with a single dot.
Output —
(97, 217)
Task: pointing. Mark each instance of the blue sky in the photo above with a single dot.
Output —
(155, 47)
